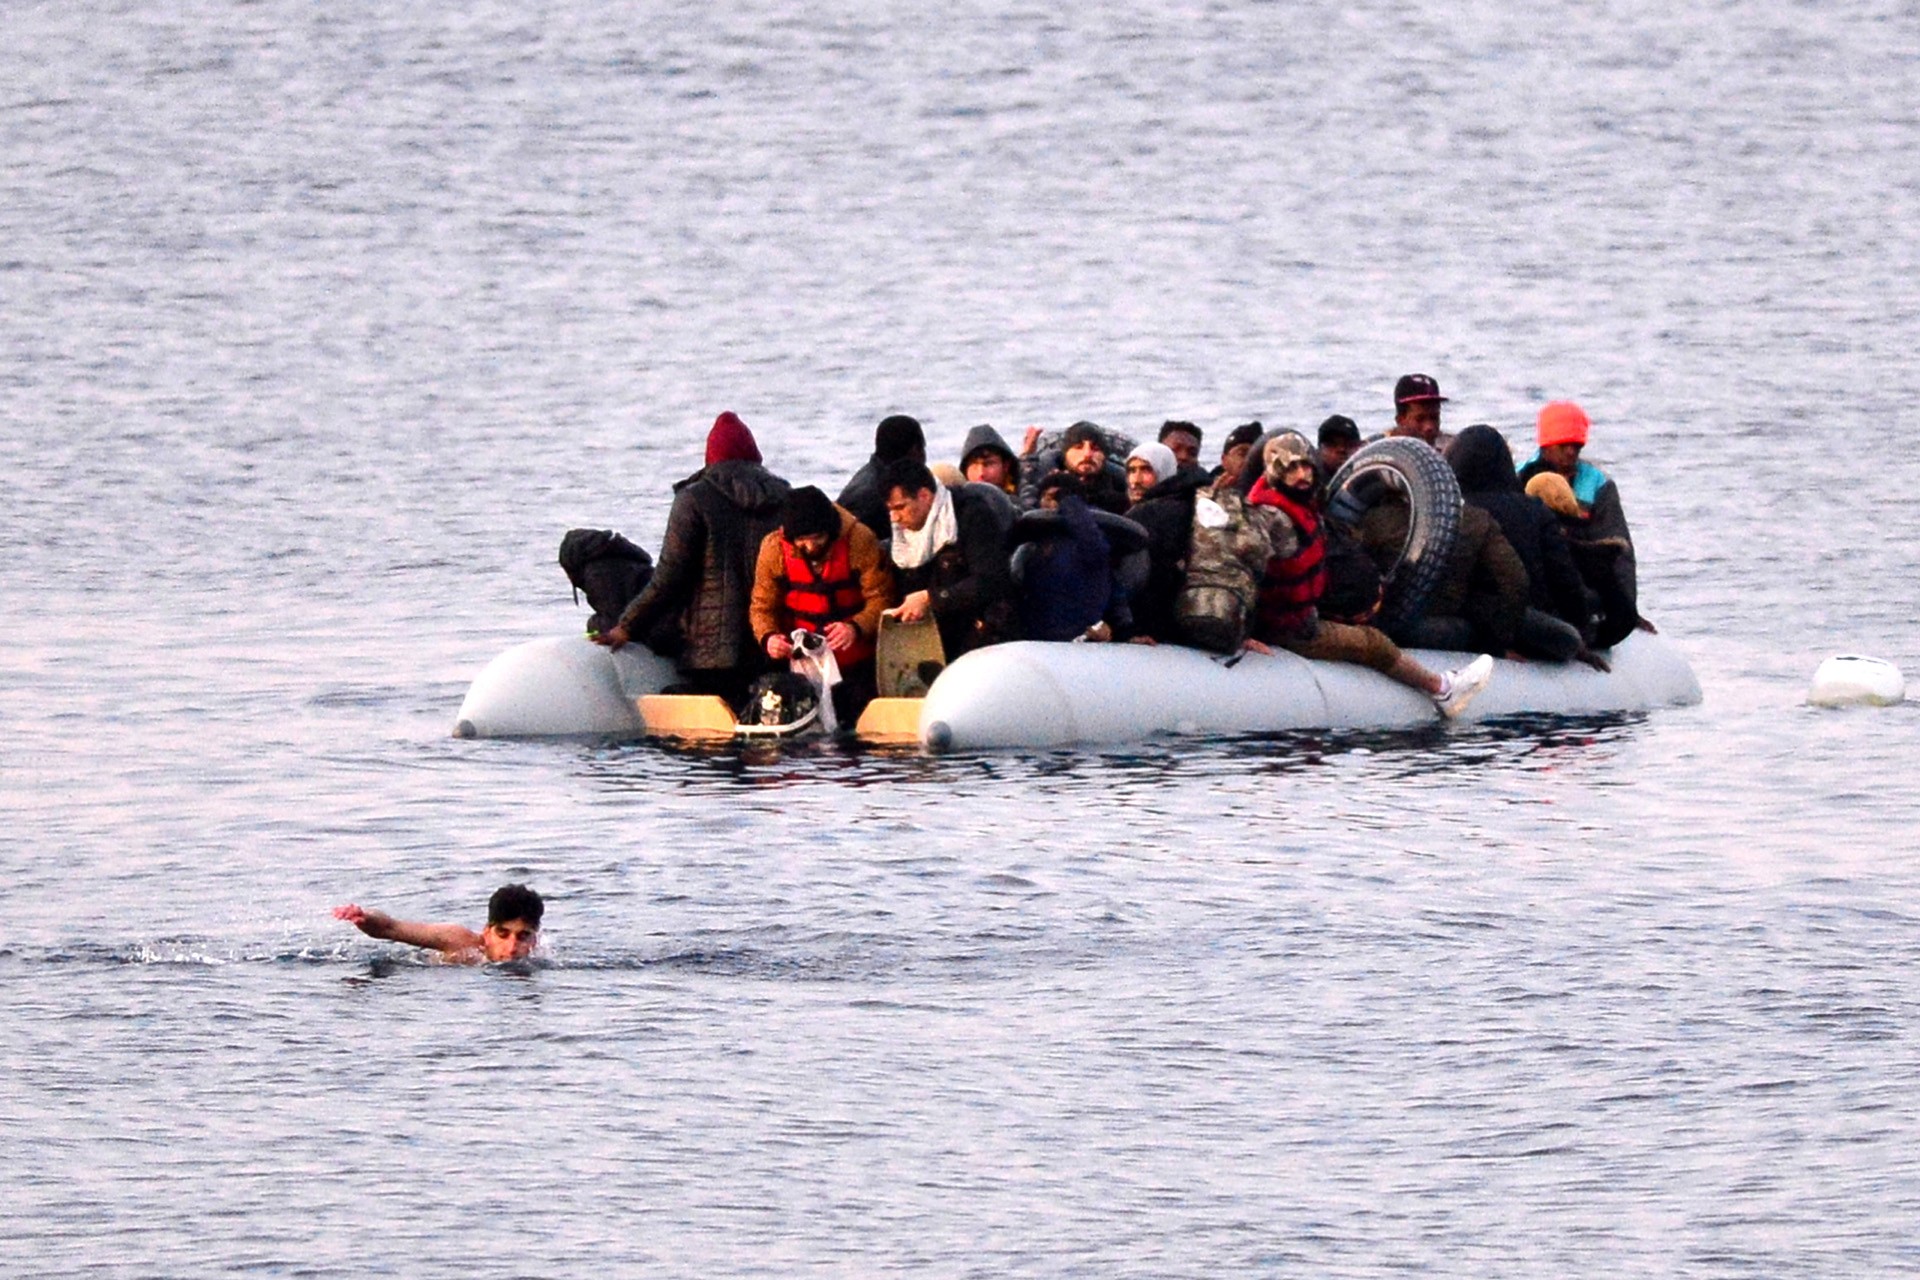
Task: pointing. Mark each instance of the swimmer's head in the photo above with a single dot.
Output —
(513, 923)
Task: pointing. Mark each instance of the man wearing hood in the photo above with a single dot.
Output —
(704, 573)
(950, 559)
(986, 459)
(1163, 506)
(897, 437)
(1556, 612)
(1602, 524)
(1287, 609)
(823, 571)
(1482, 594)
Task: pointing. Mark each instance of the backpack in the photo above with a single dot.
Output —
(1224, 562)
(609, 569)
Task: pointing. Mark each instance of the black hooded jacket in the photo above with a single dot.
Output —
(1484, 465)
(705, 569)
(1166, 512)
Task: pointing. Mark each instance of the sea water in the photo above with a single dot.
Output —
(320, 325)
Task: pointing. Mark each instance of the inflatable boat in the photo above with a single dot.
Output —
(1030, 694)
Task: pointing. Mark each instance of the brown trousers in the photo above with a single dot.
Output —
(1338, 642)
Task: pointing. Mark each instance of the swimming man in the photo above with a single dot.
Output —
(512, 932)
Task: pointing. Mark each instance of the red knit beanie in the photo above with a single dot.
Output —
(730, 441)
(1562, 422)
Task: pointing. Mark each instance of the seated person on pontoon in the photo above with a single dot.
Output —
(1287, 610)
(1481, 596)
(1602, 543)
(1163, 500)
(512, 932)
(1553, 624)
(949, 559)
(1063, 564)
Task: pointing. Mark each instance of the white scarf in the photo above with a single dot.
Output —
(914, 547)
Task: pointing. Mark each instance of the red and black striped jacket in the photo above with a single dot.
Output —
(1292, 585)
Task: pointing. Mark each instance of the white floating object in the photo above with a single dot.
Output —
(1849, 680)
(561, 687)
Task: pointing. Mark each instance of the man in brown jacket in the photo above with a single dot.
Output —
(822, 571)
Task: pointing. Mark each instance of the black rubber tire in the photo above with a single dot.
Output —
(1433, 525)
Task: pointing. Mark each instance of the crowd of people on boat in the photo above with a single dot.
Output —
(1085, 535)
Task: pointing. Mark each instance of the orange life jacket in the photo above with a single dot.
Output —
(832, 594)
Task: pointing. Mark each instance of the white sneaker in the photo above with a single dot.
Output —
(1464, 685)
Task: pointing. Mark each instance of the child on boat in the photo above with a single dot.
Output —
(512, 932)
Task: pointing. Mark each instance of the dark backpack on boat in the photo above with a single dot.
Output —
(608, 569)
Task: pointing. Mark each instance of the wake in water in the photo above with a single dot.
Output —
(834, 958)
(205, 953)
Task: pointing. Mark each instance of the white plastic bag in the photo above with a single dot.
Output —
(813, 661)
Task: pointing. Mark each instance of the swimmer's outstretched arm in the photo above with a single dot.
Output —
(449, 939)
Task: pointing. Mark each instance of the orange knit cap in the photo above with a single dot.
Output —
(1563, 422)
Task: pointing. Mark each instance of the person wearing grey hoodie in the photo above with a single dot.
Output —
(986, 459)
